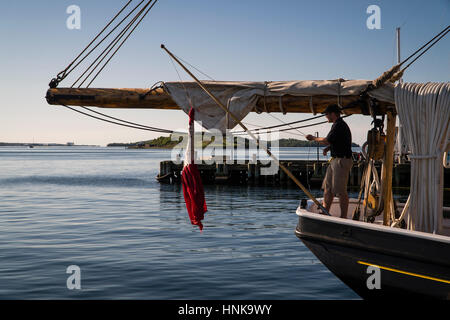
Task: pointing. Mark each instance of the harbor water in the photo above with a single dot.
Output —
(102, 210)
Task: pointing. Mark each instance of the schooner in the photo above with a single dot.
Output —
(406, 244)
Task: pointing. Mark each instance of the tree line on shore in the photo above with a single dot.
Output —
(167, 143)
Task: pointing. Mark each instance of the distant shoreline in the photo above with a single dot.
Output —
(162, 143)
(166, 143)
(20, 144)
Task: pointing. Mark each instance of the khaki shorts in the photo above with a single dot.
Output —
(336, 177)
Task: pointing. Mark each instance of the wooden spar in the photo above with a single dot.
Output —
(388, 163)
(160, 99)
(111, 98)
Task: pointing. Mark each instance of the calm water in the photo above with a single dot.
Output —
(102, 210)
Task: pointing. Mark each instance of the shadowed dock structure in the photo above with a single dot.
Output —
(309, 172)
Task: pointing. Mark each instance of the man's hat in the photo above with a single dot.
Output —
(332, 108)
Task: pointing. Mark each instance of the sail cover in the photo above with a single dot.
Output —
(241, 97)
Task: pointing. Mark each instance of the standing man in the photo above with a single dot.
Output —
(339, 141)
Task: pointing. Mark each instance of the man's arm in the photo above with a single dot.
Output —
(320, 140)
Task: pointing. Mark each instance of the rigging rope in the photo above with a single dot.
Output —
(444, 32)
(300, 127)
(101, 41)
(129, 122)
(295, 122)
(395, 73)
(113, 43)
(63, 74)
(282, 125)
(137, 126)
(210, 78)
(121, 44)
(288, 124)
(129, 28)
(431, 45)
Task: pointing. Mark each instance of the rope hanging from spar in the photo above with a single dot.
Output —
(232, 115)
(129, 125)
(124, 123)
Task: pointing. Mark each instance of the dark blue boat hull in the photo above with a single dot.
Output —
(379, 263)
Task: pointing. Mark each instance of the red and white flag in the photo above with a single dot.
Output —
(193, 192)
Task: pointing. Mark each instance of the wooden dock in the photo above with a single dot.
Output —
(309, 172)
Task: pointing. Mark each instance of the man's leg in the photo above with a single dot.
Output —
(343, 203)
(327, 199)
(344, 172)
(327, 188)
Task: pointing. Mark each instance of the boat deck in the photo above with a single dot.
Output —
(335, 211)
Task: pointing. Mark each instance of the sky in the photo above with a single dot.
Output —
(251, 40)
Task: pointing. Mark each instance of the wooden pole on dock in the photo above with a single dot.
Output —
(224, 108)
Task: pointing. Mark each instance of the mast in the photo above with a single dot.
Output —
(398, 44)
(401, 143)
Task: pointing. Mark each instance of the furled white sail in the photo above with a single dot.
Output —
(424, 111)
(241, 97)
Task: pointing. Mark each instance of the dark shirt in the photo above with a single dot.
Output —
(340, 139)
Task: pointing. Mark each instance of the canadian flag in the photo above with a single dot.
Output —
(193, 192)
